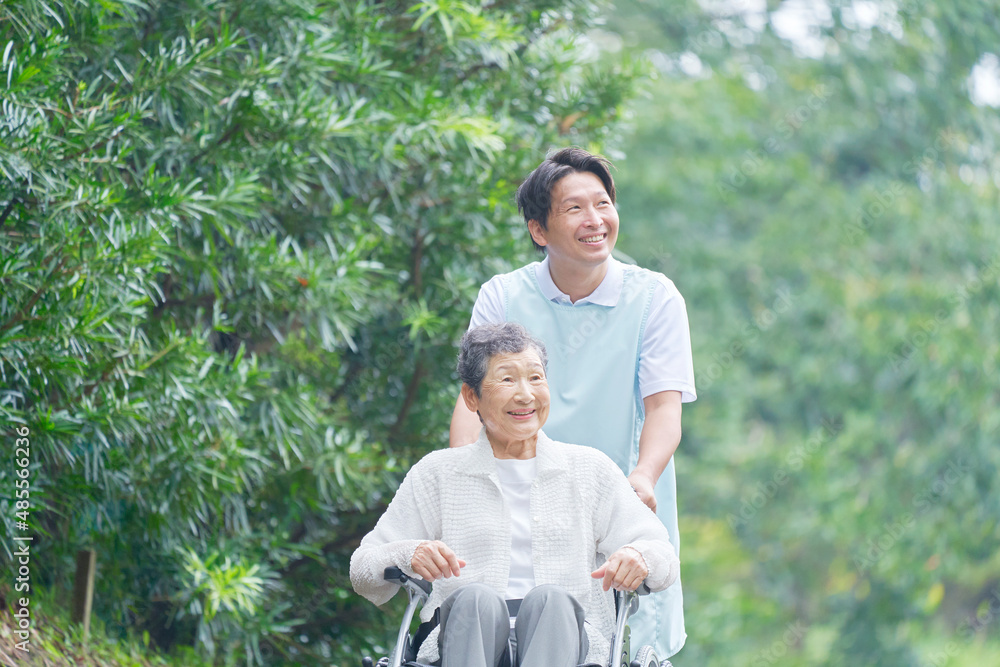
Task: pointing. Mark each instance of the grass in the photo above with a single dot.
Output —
(56, 641)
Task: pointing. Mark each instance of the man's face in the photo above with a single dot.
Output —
(583, 223)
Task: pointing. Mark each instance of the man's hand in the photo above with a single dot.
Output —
(623, 571)
(644, 488)
(435, 560)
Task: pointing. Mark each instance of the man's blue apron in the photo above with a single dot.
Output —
(593, 374)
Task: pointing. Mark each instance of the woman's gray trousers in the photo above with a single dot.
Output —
(548, 632)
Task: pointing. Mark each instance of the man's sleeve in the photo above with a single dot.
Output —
(665, 362)
(489, 308)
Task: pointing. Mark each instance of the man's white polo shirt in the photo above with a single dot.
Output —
(665, 361)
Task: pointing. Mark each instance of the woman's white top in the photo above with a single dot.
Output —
(516, 476)
(582, 509)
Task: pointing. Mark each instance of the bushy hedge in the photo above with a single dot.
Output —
(239, 239)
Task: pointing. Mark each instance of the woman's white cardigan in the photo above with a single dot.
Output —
(582, 510)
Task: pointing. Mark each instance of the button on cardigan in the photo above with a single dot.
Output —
(582, 507)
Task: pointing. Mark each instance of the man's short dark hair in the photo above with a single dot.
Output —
(534, 196)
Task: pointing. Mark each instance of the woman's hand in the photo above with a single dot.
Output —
(435, 560)
(623, 571)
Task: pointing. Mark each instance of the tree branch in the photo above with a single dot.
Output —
(204, 300)
(93, 147)
(416, 259)
(6, 211)
(411, 397)
(221, 140)
(353, 370)
(26, 308)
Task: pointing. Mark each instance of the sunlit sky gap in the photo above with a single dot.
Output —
(801, 23)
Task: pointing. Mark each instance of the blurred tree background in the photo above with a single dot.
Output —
(240, 239)
(820, 183)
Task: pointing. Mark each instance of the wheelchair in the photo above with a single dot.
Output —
(404, 654)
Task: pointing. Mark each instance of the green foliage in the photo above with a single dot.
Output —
(830, 221)
(56, 642)
(238, 242)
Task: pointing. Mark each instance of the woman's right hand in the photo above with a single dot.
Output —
(435, 560)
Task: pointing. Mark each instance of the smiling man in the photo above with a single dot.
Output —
(619, 348)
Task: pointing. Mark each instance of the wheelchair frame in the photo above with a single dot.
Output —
(418, 590)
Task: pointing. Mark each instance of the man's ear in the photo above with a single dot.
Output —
(537, 232)
(471, 400)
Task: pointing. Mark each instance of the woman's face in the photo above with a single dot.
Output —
(515, 396)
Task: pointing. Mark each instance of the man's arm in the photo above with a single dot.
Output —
(465, 425)
(488, 309)
(661, 433)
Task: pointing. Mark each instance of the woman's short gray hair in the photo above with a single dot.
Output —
(481, 343)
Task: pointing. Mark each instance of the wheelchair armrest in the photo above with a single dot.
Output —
(396, 574)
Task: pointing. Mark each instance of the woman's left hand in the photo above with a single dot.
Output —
(433, 559)
(624, 570)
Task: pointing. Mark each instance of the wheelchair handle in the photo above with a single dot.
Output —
(396, 574)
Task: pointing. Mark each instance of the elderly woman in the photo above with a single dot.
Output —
(549, 527)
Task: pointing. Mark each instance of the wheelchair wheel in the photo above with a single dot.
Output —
(645, 657)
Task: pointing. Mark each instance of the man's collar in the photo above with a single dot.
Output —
(606, 294)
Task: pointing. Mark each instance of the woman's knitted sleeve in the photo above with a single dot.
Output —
(408, 521)
(627, 522)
